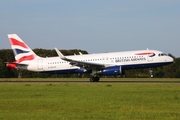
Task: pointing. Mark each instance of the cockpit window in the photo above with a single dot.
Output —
(162, 54)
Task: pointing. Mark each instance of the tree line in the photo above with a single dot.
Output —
(6, 55)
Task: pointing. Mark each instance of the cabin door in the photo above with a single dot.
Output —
(40, 64)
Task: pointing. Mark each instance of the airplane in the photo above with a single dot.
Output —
(97, 65)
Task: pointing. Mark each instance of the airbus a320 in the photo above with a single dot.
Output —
(100, 64)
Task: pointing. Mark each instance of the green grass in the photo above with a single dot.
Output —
(87, 79)
(69, 101)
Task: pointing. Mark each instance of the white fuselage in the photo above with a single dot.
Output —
(127, 60)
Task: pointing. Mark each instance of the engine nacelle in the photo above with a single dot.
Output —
(113, 70)
(82, 70)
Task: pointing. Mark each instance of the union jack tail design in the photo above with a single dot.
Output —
(21, 51)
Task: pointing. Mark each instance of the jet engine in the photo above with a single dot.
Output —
(112, 70)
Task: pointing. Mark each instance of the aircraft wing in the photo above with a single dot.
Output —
(83, 64)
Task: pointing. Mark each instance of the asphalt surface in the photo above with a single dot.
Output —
(88, 82)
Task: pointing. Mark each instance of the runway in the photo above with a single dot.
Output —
(89, 83)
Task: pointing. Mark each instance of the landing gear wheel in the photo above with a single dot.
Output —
(91, 79)
(94, 79)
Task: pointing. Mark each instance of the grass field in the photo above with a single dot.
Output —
(66, 100)
(87, 79)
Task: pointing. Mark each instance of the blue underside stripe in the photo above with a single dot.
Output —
(65, 71)
(125, 67)
(150, 65)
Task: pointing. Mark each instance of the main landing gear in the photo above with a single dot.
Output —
(94, 76)
(94, 79)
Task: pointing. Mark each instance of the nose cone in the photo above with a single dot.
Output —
(170, 59)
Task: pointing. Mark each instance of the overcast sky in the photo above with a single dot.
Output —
(93, 25)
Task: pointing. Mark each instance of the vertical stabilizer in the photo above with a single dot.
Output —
(21, 51)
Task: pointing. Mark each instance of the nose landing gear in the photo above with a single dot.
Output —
(151, 72)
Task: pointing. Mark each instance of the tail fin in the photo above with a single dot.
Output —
(21, 51)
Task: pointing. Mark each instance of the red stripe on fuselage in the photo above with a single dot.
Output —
(146, 53)
(16, 42)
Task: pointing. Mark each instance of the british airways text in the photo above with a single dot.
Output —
(131, 59)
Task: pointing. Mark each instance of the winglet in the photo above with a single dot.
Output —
(60, 54)
(80, 53)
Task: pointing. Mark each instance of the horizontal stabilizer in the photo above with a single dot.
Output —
(14, 65)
